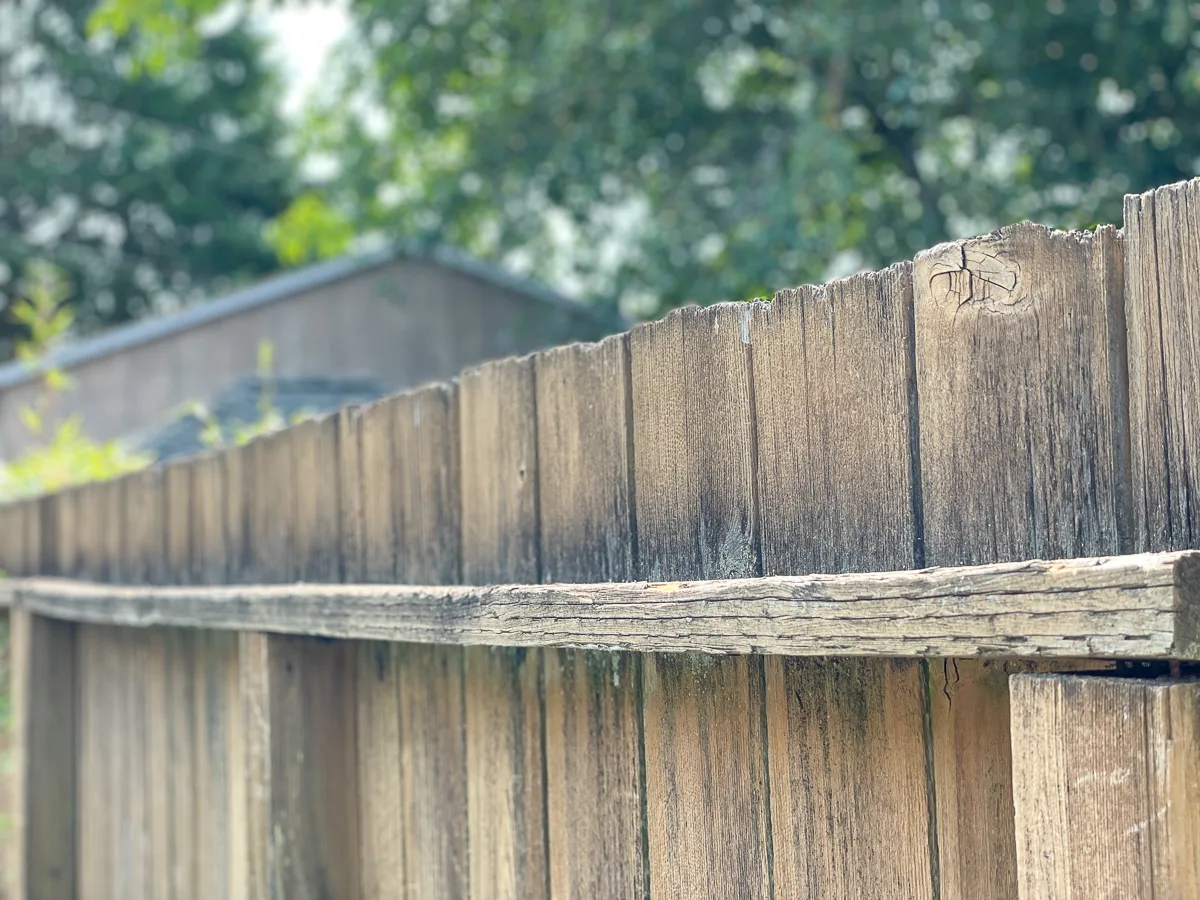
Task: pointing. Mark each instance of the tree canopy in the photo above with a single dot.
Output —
(658, 153)
(144, 185)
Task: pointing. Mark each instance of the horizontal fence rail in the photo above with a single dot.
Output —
(227, 685)
(1144, 606)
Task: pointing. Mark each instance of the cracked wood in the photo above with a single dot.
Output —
(1140, 606)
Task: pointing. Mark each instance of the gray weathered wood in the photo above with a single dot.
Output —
(694, 490)
(1162, 307)
(594, 770)
(1106, 777)
(1020, 374)
(429, 680)
(505, 791)
(1141, 606)
(834, 417)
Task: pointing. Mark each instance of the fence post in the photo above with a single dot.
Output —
(1106, 784)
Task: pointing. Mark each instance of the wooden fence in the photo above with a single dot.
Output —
(193, 724)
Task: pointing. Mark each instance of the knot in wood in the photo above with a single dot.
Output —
(976, 274)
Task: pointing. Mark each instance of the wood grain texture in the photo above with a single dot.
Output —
(504, 747)
(237, 476)
(1020, 373)
(426, 477)
(834, 398)
(434, 770)
(208, 527)
(1140, 606)
(381, 798)
(271, 539)
(1106, 776)
(706, 779)
(178, 505)
(1162, 306)
(849, 807)
(694, 490)
(350, 491)
(833, 385)
(425, 485)
(254, 680)
(594, 771)
(315, 512)
(45, 702)
(314, 795)
(1020, 369)
(498, 441)
(377, 458)
(143, 557)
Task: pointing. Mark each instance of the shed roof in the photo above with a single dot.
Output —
(274, 288)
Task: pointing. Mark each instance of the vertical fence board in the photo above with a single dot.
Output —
(1162, 252)
(45, 694)
(377, 458)
(209, 554)
(707, 812)
(315, 513)
(594, 771)
(1020, 373)
(1106, 776)
(834, 385)
(144, 527)
(384, 874)
(96, 797)
(426, 476)
(237, 504)
(309, 703)
(505, 754)
(177, 497)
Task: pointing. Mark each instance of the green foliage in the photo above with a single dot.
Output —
(270, 419)
(696, 150)
(146, 173)
(310, 229)
(66, 456)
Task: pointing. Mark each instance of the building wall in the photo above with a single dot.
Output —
(402, 322)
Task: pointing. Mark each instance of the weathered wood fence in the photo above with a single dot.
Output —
(926, 735)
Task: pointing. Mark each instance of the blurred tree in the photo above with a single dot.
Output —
(146, 186)
(664, 152)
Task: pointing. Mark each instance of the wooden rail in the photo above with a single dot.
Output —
(1144, 606)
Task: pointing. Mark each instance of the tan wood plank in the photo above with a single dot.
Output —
(1162, 306)
(594, 771)
(178, 505)
(350, 491)
(215, 661)
(271, 537)
(505, 802)
(379, 770)
(237, 474)
(377, 458)
(434, 770)
(425, 486)
(45, 702)
(834, 399)
(314, 796)
(425, 483)
(1020, 374)
(143, 543)
(254, 691)
(209, 553)
(693, 437)
(1106, 776)
(314, 494)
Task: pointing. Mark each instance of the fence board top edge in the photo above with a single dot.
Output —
(1141, 606)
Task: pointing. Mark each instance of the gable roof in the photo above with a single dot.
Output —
(275, 288)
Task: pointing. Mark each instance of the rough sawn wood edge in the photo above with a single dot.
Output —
(1143, 606)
